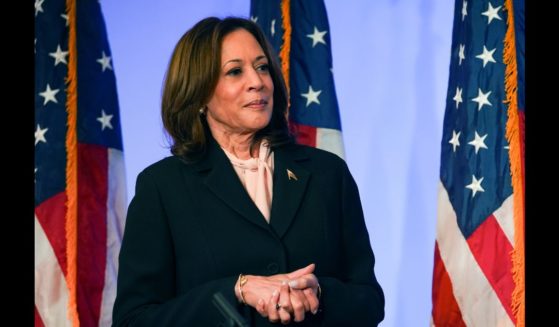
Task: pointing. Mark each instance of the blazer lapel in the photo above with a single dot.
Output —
(223, 181)
(290, 184)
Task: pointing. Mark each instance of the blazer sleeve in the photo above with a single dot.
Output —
(146, 290)
(358, 299)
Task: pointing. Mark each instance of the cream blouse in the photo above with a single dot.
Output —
(256, 176)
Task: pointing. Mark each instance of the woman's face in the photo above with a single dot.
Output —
(243, 98)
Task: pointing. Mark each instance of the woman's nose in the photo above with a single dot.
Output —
(255, 80)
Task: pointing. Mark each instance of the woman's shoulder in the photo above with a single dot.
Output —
(165, 166)
(314, 159)
(305, 151)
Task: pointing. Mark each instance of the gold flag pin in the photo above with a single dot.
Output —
(291, 175)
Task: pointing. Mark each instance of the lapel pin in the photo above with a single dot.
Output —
(291, 175)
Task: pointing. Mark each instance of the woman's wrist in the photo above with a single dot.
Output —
(241, 281)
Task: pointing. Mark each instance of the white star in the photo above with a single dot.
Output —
(491, 13)
(475, 186)
(312, 96)
(481, 99)
(65, 18)
(464, 9)
(458, 97)
(49, 95)
(38, 6)
(273, 27)
(317, 36)
(105, 62)
(478, 142)
(454, 140)
(254, 18)
(59, 56)
(35, 172)
(40, 134)
(486, 56)
(105, 120)
(461, 55)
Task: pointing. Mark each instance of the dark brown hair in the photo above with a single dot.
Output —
(192, 77)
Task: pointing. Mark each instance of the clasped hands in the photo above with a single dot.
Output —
(282, 297)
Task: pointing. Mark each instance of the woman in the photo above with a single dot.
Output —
(239, 209)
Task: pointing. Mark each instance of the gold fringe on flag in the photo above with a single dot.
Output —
(72, 167)
(516, 157)
(286, 46)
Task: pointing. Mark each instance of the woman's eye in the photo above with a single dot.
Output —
(263, 67)
(234, 72)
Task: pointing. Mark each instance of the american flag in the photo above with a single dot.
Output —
(299, 32)
(79, 169)
(478, 277)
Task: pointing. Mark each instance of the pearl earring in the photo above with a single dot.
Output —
(202, 110)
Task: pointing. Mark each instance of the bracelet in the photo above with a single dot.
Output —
(318, 291)
(242, 280)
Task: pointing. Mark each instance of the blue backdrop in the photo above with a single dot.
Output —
(390, 62)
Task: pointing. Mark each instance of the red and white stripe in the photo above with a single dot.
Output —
(323, 138)
(51, 291)
(116, 215)
(472, 282)
(102, 203)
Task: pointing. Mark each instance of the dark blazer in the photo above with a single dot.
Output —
(191, 229)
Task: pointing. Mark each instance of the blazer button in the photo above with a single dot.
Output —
(273, 268)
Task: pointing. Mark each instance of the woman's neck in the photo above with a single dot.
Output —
(237, 144)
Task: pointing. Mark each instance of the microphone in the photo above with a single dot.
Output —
(232, 317)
